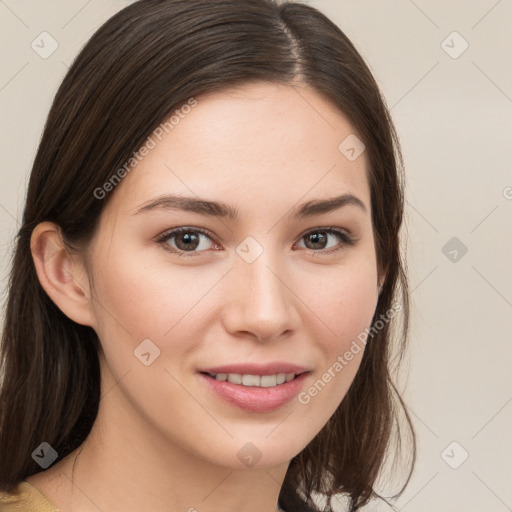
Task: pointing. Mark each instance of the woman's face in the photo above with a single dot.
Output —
(267, 291)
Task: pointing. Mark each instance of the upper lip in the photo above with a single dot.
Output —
(257, 369)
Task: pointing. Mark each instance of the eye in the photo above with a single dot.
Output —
(318, 239)
(186, 240)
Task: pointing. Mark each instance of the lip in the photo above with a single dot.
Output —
(257, 369)
(253, 398)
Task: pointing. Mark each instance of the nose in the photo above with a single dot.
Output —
(260, 301)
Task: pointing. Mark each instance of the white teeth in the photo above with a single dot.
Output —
(264, 381)
(235, 378)
(268, 381)
(250, 380)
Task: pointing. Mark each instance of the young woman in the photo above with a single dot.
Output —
(204, 285)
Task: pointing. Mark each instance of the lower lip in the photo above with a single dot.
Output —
(253, 398)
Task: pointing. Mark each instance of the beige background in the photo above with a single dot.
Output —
(453, 115)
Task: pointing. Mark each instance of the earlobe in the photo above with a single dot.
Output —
(62, 275)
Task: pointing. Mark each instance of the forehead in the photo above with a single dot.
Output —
(270, 141)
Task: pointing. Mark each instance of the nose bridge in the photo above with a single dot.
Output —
(262, 302)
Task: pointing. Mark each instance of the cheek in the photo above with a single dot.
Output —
(343, 301)
(340, 315)
(136, 301)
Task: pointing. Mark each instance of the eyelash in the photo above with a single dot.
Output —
(344, 236)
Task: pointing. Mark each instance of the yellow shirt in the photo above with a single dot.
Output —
(26, 498)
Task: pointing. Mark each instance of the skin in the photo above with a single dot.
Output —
(162, 440)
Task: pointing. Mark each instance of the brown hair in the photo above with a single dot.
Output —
(143, 63)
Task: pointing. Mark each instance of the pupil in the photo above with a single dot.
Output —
(318, 238)
(191, 241)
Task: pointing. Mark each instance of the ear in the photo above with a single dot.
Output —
(62, 275)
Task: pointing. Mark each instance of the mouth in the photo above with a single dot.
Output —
(253, 392)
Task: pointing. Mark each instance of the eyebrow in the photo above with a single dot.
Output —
(219, 209)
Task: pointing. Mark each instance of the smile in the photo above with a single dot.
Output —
(255, 393)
